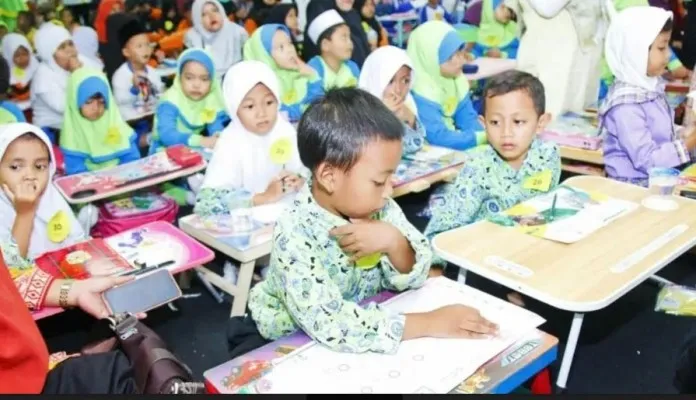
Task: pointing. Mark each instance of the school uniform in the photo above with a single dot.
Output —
(379, 69)
(20, 79)
(94, 145)
(636, 120)
(241, 166)
(488, 185)
(444, 104)
(87, 43)
(437, 13)
(130, 97)
(296, 90)
(312, 285)
(348, 73)
(9, 113)
(180, 120)
(495, 35)
(225, 45)
(51, 207)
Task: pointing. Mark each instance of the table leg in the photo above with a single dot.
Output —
(87, 216)
(239, 303)
(400, 33)
(569, 352)
(461, 278)
(185, 280)
(203, 277)
(661, 281)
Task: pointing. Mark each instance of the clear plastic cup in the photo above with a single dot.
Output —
(661, 184)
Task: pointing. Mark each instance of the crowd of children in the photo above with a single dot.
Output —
(341, 106)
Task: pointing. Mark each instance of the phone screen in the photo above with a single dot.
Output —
(143, 294)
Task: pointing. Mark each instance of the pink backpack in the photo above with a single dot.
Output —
(120, 215)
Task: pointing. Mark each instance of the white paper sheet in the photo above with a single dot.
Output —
(430, 153)
(425, 365)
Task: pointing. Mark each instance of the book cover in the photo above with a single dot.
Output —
(83, 260)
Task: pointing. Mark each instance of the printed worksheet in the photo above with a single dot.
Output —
(426, 365)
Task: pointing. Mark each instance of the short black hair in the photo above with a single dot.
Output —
(512, 81)
(326, 35)
(668, 26)
(4, 77)
(336, 128)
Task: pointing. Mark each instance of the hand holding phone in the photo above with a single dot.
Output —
(142, 294)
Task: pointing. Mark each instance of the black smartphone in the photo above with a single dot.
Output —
(142, 294)
(690, 194)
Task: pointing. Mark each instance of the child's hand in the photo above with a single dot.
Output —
(74, 63)
(293, 182)
(25, 197)
(459, 321)
(503, 14)
(209, 142)
(494, 53)
(362, 238)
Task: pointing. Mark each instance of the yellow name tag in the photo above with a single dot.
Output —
(58, 227)
(289, 97)
(540, 181)
(352, 82)
(18, 72)
(449, 106)
(368, 262)
(113, 136)
(168, 25)
(207, 116)
(281, 151)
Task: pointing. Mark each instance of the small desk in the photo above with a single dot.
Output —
(577, 277)
(400, 19)
(414, 176)
(502, 374)
(573, 156)
(110, 182)
(131, 114)
(490, 67)
(156, 238)
(245, 248)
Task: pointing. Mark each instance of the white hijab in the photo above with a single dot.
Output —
(51, 200)
(242, 158)
(379, 69)
(87, 43)
(224, 45)
(10, 43)
(630, 35)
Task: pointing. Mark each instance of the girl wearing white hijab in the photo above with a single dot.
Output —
(388, 75)
(20, 76)
(51, 225)
(59, 58)
(87, 43)
(256, 161)
(636, 120)
(213, 31)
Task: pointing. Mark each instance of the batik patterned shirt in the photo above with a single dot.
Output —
(488, 184)
(312, 284)
(31, 282)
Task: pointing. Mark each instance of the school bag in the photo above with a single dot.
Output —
(130, 212)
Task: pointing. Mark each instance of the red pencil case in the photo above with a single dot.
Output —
(184, 156)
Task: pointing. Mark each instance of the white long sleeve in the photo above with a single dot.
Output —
(122, 82)
(548, 8)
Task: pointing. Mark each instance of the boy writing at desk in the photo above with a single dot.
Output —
(344, 240)
(513, 167)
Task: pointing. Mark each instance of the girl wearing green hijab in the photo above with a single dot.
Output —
(94, 136)
(495, 38)
(299, 85)
(440, 89)
(192, 107)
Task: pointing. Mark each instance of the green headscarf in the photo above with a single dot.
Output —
(492, 33)
(103, 140)
(9, 10)
(195, 114)
(293, 85)
(423, 49)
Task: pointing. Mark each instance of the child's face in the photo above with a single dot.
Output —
(25, 160)
(258, 110)
(93, 109)
(211, 18)
(339, 43)
(398, 87)
(368, 9)
(23, 22)
(364, 189)
(345, 5)
(195, 80)
(21, 57)
(433, 3)
(503, 14)
(138, 49)
(283, 51)
(270, 2)
(291, 21)
(658, 56)
(171, 14)
(67, 18)
(66, 52)
(452, 68)
(511, 123)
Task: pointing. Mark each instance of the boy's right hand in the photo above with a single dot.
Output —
(209, 142)
(25, 197)
(458, 321)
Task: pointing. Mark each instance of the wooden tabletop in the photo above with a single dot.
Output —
(584, 276)
(576, 154)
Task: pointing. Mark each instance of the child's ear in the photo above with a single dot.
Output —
(125, 52)
(482, 120)
(543, 121)
(325, 176)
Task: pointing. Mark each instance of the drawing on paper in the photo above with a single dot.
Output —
(144, 246)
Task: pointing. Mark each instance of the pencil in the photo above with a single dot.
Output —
(553, 208)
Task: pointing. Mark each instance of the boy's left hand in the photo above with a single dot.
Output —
(364, 237)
